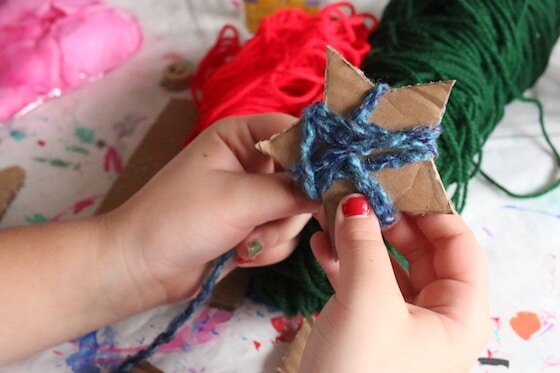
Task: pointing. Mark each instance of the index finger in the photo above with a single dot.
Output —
(248, 131)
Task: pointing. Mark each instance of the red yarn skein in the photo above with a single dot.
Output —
(281, 68)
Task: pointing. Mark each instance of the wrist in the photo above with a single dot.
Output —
(124, 280)
(136, 275)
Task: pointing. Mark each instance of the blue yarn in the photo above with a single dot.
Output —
(169, 333)
(334, 147)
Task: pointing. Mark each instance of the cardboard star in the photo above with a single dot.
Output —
(414, 188)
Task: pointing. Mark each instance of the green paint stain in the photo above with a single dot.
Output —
(85, 135)
(18, 135)
(59, 163)
(36, 219)
(77, 149)
(55, 162)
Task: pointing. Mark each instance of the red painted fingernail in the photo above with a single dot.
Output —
(240, 260)
(356, 206)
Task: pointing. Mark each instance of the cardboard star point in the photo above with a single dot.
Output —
(414, 188)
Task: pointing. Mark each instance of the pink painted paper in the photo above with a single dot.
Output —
(48, 48)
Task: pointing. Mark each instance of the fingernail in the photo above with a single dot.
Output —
(240, 260)
(356, 206)
(254, 248)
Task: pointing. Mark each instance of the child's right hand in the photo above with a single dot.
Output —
(219, 193)
(434, 318)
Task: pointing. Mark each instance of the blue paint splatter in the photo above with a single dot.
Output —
(36, 219)
(488, 232)
(536, 211)
(85, 135)
(17, 135)
(89, 354)
(199, 325)
(83, 360)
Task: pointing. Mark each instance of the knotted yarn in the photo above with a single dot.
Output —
(334, 147)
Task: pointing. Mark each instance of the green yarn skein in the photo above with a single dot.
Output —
(494, 49)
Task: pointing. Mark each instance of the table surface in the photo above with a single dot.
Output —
(74, 147)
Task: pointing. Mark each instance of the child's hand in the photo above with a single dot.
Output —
(434, 318)
(219, 193)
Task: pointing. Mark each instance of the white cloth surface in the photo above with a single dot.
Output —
(58, 144)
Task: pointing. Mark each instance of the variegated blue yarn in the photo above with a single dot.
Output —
(334, 147)
(169, 333)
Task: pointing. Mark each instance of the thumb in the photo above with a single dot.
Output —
(365, 265)
(261, 198)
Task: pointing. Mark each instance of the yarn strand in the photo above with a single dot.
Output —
(207, 287)
(544, 190)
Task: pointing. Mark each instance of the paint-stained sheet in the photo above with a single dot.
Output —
(74, 147)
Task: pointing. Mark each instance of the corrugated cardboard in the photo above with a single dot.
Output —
(146, 367)
(230, 291)
(415, 188)
(164, 140)
(11, 180)
(292, 358)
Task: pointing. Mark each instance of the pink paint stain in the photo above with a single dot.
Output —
(77, 208)
(548, 321)
(112, 161)
(551, 363)
(497, 325)
(173, 56)
(203, 329)
(118, 351)
(83, 204)
(287, 327)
